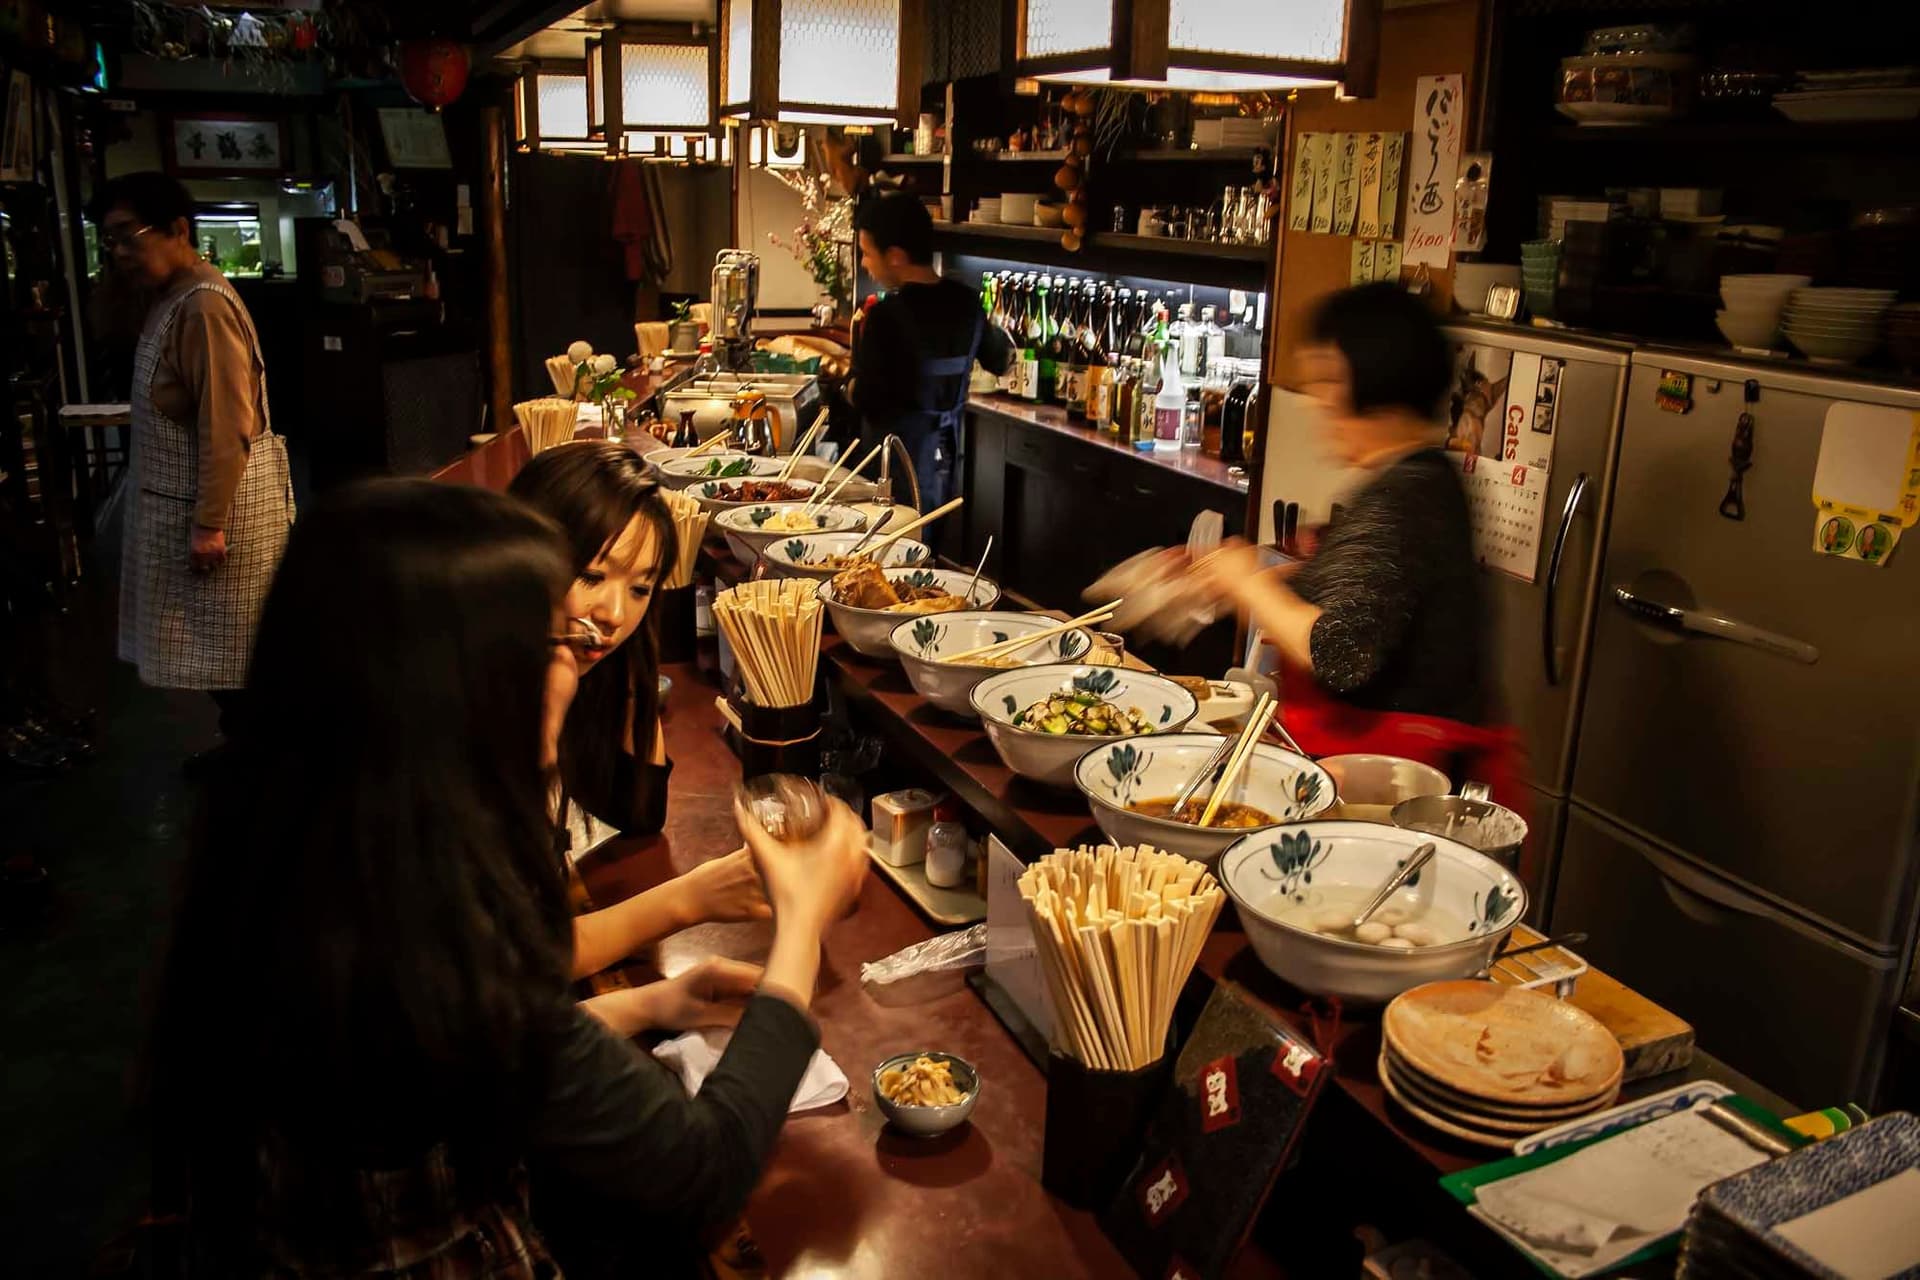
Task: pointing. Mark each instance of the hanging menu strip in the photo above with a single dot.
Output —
(1300, 199)
(1392, 150)
(1346, 181)
(1322, 183)
(1367, 225)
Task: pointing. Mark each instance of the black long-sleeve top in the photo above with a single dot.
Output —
(1403, 624)
(913, 323)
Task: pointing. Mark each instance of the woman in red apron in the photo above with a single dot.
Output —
(1383, 636)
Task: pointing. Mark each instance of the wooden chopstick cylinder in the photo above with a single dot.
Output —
(1249, 738)
(945, 509)
(800, 448)
(1000, 648)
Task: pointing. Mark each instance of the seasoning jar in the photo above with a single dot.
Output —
(947, 847)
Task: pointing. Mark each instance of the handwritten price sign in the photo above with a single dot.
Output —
(1438, 104)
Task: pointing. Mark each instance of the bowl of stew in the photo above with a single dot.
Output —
(1132, 785)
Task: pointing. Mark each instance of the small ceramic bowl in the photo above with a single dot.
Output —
(1289, 787)
(682, 472)
(799, 556)
(867, 630)
(1273, 873)
(707, 494)
(1049, 758)
(927, 1122)
(922, 644)
(747, 532)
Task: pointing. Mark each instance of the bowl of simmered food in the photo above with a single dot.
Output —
(929, 646)
(750, 530)
(926, 1092)
(867, 602)
(1043, 719)
(719, 496)
(821, 555)
(1132, 786)
(680, 473)
(1299, 887)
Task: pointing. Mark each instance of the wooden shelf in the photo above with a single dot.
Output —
(998, 231)
(1181, 248)
(1021, 157)
(1223, 266)
(1223, 155)
(1760, 131)
(908, 157)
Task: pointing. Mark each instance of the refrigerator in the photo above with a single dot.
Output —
(1542, 603)
(1740, 830)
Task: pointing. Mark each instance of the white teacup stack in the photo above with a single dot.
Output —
(1836, 325)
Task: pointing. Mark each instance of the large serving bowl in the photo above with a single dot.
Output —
(684, 472)
(1370, 785)
(867, 630)
(1475, 901)
(707, 494)
(747, 532)
(923, 642)
(799, 556)
(1290, 787)
(1049, 758)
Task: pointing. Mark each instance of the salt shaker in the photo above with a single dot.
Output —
(947, 848)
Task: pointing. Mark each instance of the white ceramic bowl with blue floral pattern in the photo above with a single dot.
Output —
(867, 630)
(803, 555)
(924, 642)
(1048, 757)
(747, 533)
(1276, 781)
(683, 472)
(1275, 874)
(707, 493)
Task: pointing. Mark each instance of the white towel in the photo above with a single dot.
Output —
(692, 1055)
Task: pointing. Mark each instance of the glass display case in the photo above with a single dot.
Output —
(229, 236)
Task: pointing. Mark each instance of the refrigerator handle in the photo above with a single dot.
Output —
(1553, 576)
(1709, 624)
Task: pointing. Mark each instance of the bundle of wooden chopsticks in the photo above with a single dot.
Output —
(774, 628)
(1007, 648)
(1118, 931)
(566, 377)
(1250, 735)
(548, 421)
(689, 528)
(824, 496)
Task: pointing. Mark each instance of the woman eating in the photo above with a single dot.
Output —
(365, 1036)
(1383, 634)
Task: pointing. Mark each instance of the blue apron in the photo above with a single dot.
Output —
(932, 433)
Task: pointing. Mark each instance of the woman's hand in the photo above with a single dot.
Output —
(713, 993)
(726, 890)
(1235, 574)
(810, 882)
(206, 549)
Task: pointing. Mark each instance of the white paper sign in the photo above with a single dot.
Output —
(1361, 269)
(1300, 198)
(1367, 225)
(1432, 167)
(1386, 261)
(1322, 183)
(1392, 152)
(1346, 181)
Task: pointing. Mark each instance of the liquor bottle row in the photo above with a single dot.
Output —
(1144, 367)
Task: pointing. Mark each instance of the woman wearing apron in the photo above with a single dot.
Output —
(209, 498)
(918, 343)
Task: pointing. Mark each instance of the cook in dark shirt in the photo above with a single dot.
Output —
(918, 344)
(1388, 615)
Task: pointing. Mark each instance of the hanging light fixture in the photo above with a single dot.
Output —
(550, 108)
(653, 79)
(820, 61)
(1222, 45)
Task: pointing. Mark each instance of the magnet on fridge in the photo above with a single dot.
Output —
(1675, 391)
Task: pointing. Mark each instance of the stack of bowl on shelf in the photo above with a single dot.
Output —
(1493, 1064)
(985, 209)
(1754, 303)
(1539, 273)
(1836, 326)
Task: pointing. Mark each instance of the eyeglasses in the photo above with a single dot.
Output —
(109, 240)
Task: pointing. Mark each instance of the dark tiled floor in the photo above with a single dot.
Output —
(74, 984)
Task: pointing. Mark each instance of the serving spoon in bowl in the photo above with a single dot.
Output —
(1401, 874)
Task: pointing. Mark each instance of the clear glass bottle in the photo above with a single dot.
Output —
(1213, 401)
(1169, 403)
(1126, 381)
(1143, 397)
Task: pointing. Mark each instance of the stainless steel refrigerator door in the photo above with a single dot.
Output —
(1540, 629)
(1796, 1009)
(1795, 778)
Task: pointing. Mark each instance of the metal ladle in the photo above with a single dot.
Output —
(1401, 874)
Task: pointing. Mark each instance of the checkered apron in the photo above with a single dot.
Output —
(186, 630)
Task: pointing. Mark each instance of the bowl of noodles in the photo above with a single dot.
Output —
(750, 530)
(1041, 720)
(926, 647)
(821, 555)
(926, 1093)
(1132, 785)
(867, 602)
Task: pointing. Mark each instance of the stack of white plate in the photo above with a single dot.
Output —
(1836, 326)
(1754, 304)
(1492, 1064)
(985, 209)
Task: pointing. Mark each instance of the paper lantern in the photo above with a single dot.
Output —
(434, 72)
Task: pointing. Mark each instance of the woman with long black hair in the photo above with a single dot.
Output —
(366, 1035)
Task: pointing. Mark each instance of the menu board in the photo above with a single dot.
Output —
(1240, 1096)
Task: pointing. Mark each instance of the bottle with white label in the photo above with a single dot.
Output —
(1169, 405)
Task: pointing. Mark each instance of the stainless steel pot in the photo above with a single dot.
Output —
(1493, 829)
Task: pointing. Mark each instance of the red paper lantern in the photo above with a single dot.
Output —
(433, 71)
(301, 33)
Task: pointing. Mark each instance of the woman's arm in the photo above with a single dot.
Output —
(215, 362)
(724, 889)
